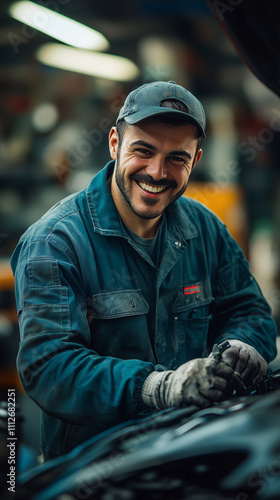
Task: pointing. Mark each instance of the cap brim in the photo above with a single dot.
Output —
(149, 113)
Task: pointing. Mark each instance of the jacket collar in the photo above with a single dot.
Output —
(105, 217)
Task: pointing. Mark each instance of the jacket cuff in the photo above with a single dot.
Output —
(153, 389)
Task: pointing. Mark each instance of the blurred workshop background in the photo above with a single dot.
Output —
(60, 96)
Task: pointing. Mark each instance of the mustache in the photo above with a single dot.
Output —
(149, 180)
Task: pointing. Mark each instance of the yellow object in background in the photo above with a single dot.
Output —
(227, 203)
(9, 336)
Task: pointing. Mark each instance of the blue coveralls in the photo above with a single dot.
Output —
(97, 316)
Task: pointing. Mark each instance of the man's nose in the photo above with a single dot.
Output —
(157, 168)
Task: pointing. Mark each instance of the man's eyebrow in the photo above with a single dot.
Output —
(144, 143)
(153, 148)
(181, 153)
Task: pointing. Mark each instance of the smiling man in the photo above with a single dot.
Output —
(124, 288)
(153, 165)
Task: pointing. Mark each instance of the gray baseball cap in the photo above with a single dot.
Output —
(146, 101)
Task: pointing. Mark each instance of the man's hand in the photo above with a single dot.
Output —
(245, 360)
(198, 382)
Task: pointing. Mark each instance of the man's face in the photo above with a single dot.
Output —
(152, 166)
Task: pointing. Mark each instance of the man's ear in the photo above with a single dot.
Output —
(113, 142)
(197, 158)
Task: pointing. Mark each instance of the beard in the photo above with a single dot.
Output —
(125, 190)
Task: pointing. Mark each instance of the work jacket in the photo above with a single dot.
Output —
(97, 316)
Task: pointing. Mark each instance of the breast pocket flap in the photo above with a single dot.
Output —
(118, 304)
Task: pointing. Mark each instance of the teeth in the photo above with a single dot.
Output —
(151, 189)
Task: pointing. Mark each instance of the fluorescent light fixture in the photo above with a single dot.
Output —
(58, 26)
(88, 63)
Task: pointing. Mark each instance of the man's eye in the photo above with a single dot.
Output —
(142, 151)
(177, 160)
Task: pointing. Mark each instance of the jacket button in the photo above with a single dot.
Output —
(132, 303)
(177, 244)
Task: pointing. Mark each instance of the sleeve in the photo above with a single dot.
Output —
(57, 368)
(239, 309)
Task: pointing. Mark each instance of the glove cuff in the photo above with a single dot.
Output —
(153, 389)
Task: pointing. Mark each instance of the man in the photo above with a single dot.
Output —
(123, 288)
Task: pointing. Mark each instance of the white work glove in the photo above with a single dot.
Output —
(245, 360)
(198, 382)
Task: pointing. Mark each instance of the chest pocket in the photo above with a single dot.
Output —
(191, 320)
(118, 322)
(118, 304)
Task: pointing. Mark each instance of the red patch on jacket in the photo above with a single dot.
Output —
(191, 289)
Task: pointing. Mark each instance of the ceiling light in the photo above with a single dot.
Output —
(88, 63)
(44, 117)
(58, 26)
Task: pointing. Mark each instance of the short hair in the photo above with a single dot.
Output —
(175, 121)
